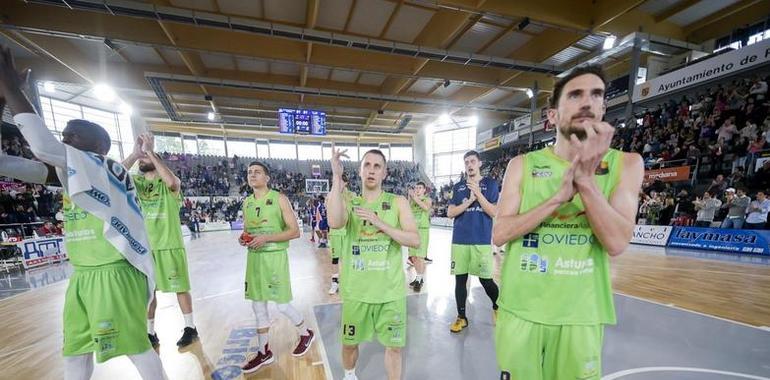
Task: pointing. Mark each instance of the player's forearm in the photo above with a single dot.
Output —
(168, 177)
(335, 207)
(129, 162)
(612, 229)
(406, 238)
(23, 169)
(511, 227)
(488, 207)
(291, 233)
(42, 143)
(426, 205)
(453, 211)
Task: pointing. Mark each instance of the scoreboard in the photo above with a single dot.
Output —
(302, 122)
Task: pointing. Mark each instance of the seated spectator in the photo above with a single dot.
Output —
(49, 229)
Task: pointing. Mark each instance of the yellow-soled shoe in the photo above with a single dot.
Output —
(459, 325)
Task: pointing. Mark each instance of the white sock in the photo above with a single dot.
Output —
(350, 372)
(301, 328)
(149, 366)
(78, 367)
(262, 339)
(188, 320)
(151, 326)
(418, 278)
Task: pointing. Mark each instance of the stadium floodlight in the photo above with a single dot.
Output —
(530, 94)
(473, 120)
(212, 116)
(609, 42)
(444, 119)
(126, 108)
(104, 92)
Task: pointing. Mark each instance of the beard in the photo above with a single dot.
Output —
(146, 167)
(568, 129)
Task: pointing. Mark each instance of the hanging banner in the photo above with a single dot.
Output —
(511, 137)
(484, 136)
(712, 68)
(492, 144)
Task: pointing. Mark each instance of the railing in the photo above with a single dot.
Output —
(23, 229)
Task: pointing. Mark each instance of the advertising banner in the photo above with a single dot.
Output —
(675, 174)
(511, 137)
(492, 144)
(651, 235)
(41, 251)
(718, 239)
(712, 68)
(484, 136)
(214, 226)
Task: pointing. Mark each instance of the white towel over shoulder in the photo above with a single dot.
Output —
(104, 188)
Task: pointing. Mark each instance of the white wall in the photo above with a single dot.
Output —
(421, 150)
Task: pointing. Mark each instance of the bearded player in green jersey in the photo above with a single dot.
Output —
(269, 223)
(563, 211)
(421, 205)
(337, 240)
(159, 193)
(377, 224)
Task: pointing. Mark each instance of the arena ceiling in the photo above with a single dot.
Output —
(370, 64)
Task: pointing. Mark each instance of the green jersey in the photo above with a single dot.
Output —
(421, 216)
(84, 239)
(263, 216)
(160, 208)
(372, 265)
(559, 273)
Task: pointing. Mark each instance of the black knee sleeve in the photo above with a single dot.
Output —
(461, 293)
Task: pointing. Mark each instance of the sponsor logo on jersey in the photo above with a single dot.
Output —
(385, 206)
(541, 171)
(269, 202)
(603, 169)
(534, 263)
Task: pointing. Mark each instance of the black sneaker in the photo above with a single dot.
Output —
(413, 283)
(428, 261)
(417, 286)
(154, 340)
(190, 335)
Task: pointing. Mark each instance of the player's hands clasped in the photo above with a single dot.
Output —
(592, 149)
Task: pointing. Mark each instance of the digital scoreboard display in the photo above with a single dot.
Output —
(302, 122)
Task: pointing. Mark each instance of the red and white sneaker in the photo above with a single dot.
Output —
(259, 361)
(304, 343)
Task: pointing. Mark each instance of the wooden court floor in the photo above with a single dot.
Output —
(30, 323)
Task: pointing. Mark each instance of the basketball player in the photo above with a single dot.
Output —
(421, 206)
(336, 239)
(473, 206)
(563, 211)
(311, 207)
(377, 224)
(269, 223)
(107, 295)
(159, 193)
(322, 222)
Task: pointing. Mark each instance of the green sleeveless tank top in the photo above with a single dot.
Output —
(372, 268)
(421, 216)
(559, 273)
(263, 216)
(84, 238)
(160, 208)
